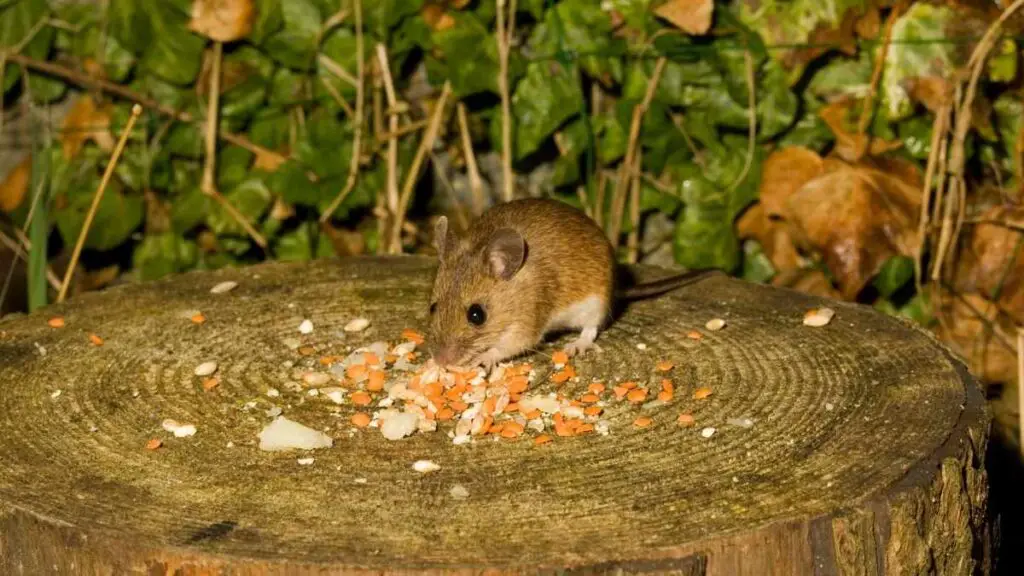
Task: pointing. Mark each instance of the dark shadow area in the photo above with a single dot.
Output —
(1006, 504)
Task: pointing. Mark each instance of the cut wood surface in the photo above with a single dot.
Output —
(865, 455)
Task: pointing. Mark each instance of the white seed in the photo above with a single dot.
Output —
(306, 327)
(818, 317)
(829, 406)
(461, 439)
(284, 434)
(425, 466)
(459, 492)
(715, 324)
(641, 346)
(179, 430)
(741, 422)
(306, 461)
(206, 368)
(55, 394)
(707, 432)
(273, 392)
(399, 426)
(316, 378)
(223, 287)
(357, 325)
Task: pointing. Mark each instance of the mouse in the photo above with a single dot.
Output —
(523, 270)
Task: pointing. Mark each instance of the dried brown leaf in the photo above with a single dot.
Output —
(932, 91)
(773, 235)
(857, 216)
(981, 333)
(86, 121)
(784, 172)
(690, 16)
(436, 16)
(222, 20)
(992, 262)
(808, 281)
(850, 144)
(14, 186)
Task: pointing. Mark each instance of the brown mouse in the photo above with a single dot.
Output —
(525, 268)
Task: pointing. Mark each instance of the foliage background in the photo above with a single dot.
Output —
(843, 182)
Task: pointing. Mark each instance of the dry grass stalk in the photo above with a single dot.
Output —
(73, 263)
(392, 113)
(748, 61)
(868, 104)
(476, 184)
(504, 39)
(633, 239)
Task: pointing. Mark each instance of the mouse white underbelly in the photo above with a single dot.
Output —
(589, 312)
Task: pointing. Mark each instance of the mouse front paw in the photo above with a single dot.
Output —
(584, 343)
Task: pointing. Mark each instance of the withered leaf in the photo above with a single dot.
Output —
(981, 333)
(809, 281)
(773, 235)
(222, 20)
(14, 186)
(86, 121)
(992, 262)
(850, 144)
(690, 16)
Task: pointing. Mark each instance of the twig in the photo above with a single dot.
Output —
(136, 111)
(581, 195)
(389, 91)
(864, 139)
(357, 138)
(133, 96)
(476, 184)
(402, 130)
(345, 107)
(16, 247)
(748, 61)
(938, 132)
(633, 239)
(677, 120)
(334, 68)
(414, 169)
(503, 38)
(208, 184)
(626, 169)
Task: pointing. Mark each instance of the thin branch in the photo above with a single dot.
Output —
(402, 130)
(345, 106)
(633, 239)
(748, 61)
(136, 111)
(938, 132)
(16, 247)
(876, 75)
(508, 188)
(414, 169)
(389, 91)
(476, 184)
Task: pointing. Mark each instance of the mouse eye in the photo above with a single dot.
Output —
(433, 307)
(476, 315)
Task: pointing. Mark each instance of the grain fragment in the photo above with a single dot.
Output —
(686, 420)
(701, 393)
(818, 317)
(707, 432)
(56, 322)
(306, 327)
(357, 325)
(154, 443)
(715, 324)
(206, 369)
(425, 466)
(95, 340)
(223, 287)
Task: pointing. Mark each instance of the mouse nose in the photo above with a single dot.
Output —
(445, 354)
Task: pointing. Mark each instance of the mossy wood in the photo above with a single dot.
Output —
(865, 456)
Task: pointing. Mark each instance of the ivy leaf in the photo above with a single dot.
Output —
(582, 28)
(269, 128)
(1009, 116)
(117, 216)
(19, 19)
(383, 15)
(547, 97)
(189, 208)
(302, 244)
(129, 23)
(269, 19)
(896, 272)
(340, 48)
(163, 254)
(911, 56)
(294, 45)
(233, 164)
(172, 53)
(469, 56)
(250, 198)
(704, 236)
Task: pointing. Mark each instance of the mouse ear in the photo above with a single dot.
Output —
(505, 253)
(442, 238)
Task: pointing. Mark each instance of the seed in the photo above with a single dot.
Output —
(701, 393)
(707, 432)
(589, 398)
(206, 369)
(596, 388)
(715, 324)
(96, 340)
(584, 428)
(412, 336)
(425, 466)
(563, 375)
(542, 439)
(154, 444)
(306, 327)
(665, 396)
(223, 287)
(664, 366)
(642, 422)
(56, 322)
(694, 335)
(686, 420)
(361, 419)
(357, 325)
(376, 381)
(816, 318)
(620, 392)
(592, 410)
(360, 398)
(210, 383)
(637, 396)
(198, 319)
(560, 357)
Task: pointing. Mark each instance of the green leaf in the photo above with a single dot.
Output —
(233, 164)
(469, 57)
(584, 29)
(895, 274)
(286, 88)
(250, 198)
(295, 44)
(340, 48)
(842, 76)
(704, 236)
(1009, 119)
(173, 52)
(18, 22)
(916, 134)
(46, 90)
(117, 216)
(189, 208)
(383, 15)
(270, 128)
(85, 42)
(304, 243)
(757, 267)
(1002, 62)
(129, 23)
(269, 19)
(911, 55)
(159, 255)
(548, 96)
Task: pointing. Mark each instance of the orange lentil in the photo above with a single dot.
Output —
(96, 340)
(356, 371)
(488, 422)
(412, 335)
(701, 393)
(361, 419)
(665, 396)
(620, 392)
(371, 359)
(596, 388)
(435, 389)
(664, 366)
(515, 397)
(694, 335)
(667, 386)
(445, 414)
(154, 443)
(686, 419)
(455, 392)
(542, 439)
(589, 398)
(532, 414)
(360, 398)
(642, 422)
(558, 418)
(56, 322)
(629, 385)
(519, 370)
(306, 351)
(414, 383)
(517, 384)
(458, 405)
(198, 319)
(328, 360)
(593, 410)
(496, 428)
(562, 430)
(437, 401)
(584, 428)
(512, 407)
(507, 432)
(560, 357)
(376, 381)
(563, 375)
(573, 424)
(210, 384)
(637, 396)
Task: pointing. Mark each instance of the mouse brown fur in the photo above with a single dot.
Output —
(524, 269)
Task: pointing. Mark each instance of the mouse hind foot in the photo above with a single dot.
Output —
(584, 342)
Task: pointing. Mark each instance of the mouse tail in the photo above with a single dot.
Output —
(663, 285)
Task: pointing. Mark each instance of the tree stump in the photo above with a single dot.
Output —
(865, 455)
